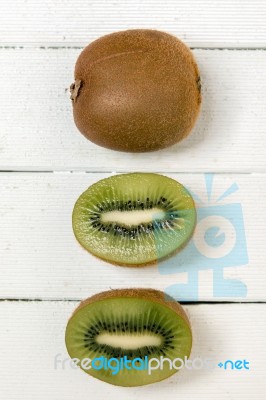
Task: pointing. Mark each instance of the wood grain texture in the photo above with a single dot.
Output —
(37, 131)
(205, 23)
(40, 257)
(32, 334)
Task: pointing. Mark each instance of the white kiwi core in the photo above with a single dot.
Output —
(129, 341)
(134, 217)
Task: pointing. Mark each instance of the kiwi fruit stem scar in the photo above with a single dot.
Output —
(74, 89)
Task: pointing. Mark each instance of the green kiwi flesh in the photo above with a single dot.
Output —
(134, 219)
(136, 91)
(129, 322)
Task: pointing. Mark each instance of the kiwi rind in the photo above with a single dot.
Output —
(151, 295)
(141, 293)
(139, 90)
(151, 253)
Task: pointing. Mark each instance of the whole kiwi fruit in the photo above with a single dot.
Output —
(136, 91)
(136, 324)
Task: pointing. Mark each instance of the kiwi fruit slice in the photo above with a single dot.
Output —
(134, 219)
(137, 324)
(136, 91)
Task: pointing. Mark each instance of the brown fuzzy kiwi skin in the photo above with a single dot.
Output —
(136, 91)
(156, 296)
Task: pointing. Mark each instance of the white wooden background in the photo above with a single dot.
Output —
(45, 164)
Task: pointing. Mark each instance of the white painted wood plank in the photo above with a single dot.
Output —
(40, 257)
(37, 129)
(32, 334)
(205, 23)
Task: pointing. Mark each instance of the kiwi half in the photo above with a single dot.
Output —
(136, 91)
(131, 323)
(134, 219)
